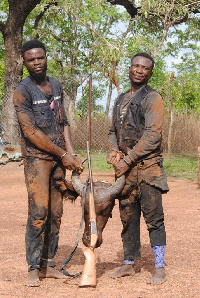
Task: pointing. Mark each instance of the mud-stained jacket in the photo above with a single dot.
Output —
(34, 112)
(138, 133)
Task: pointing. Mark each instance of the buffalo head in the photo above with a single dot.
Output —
(104, 200)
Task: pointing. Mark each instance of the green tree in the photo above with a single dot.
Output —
(186, 94)
(82, 105)
(81, 40)
(81, 37)
(15, 12)
(160, 16)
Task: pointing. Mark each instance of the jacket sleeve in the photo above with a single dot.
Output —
(153, 107)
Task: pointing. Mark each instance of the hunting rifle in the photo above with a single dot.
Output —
(88, 277)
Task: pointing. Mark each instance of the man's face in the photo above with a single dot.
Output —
(36, 63)
(140, 70)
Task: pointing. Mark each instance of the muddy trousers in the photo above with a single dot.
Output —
(45, 208)
(147, 199)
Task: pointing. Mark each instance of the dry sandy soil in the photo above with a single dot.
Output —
(182, 220)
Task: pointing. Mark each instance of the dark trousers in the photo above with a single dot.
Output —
(45, 208)
(148, 199)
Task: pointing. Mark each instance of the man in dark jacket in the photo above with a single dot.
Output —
(136, 151)
(47, 151)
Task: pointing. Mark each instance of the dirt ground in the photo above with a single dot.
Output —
(182, 220)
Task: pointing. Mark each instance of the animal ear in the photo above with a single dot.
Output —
(117, 187)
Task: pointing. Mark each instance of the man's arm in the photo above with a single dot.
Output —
(36, 136)
(153, 107)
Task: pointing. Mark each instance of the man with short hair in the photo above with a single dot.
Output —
(47, 151)
(136, 151)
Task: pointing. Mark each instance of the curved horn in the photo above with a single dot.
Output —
(77, 183)
(117, 187)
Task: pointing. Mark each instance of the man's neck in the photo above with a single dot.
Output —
(40, 81)
(43, 84)
(135, 88)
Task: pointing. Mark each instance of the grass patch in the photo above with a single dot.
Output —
(180, 166)
(98, 161)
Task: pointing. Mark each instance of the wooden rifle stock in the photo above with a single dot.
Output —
(88, 277)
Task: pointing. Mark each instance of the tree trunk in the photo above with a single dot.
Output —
(108, 100)
(170, 135)
(198, 183)
(12, 34)
(71, 114)
(171, 79)
(13, 74)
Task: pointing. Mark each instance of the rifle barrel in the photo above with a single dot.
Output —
(93, 227)
(90, 168)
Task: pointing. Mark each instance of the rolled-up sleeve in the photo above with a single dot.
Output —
(24, 112)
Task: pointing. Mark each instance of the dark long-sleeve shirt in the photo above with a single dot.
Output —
(141, 126)
(136, 130)
(35, 111)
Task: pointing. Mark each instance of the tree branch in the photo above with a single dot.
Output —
(21, 8)
(40, 15)
(93, 31)
(113, 77)
(161, 42)
(128, 5)
(59, 38)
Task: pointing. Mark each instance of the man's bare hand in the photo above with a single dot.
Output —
(72, 163)
(80, 165)
(113, 157)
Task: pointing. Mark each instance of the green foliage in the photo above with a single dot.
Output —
(160, 74)
(186, 94)
(80, 40)
(4, 9)
(97, 94)
(98, 161)
(25, 73)
(164, 12)
(86, 36)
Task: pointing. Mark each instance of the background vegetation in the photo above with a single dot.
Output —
(181, 166)
(99, 38)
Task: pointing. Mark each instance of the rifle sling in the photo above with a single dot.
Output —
(77, 238)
